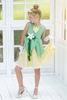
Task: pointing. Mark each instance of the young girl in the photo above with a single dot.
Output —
(32, 53)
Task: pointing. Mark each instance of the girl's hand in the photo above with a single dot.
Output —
(21, 50)
(49, 37)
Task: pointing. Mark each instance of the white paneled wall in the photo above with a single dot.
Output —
(65, 71)
(61, 65)
(61, 60)
(61, 50)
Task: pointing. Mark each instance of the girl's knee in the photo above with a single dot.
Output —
(17, 69)
(37, 71)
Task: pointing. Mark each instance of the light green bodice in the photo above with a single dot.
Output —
(35, 43)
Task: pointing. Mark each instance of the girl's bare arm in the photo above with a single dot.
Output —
(24, 33)
(43, 35)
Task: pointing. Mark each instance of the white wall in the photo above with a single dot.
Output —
(61, 50)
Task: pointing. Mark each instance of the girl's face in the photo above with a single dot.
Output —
(32, 18)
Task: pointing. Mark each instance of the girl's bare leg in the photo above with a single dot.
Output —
(19, 78)
(37, 78)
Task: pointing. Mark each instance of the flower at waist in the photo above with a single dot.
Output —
(30, 36)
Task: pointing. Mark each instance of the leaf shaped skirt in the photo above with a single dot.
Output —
(36, 61)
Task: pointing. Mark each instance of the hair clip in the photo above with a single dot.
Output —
(28, 10)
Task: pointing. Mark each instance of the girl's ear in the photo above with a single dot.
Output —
(37, 16)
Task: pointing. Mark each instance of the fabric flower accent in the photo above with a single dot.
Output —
(30, 36)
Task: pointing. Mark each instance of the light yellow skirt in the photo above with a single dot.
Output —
(36, 61)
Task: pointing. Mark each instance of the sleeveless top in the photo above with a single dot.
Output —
(34, 42)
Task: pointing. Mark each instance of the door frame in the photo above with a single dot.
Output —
(11, 25)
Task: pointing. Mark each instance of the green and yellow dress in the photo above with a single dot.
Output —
(34, 54)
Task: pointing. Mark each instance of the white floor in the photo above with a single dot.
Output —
(50, 88)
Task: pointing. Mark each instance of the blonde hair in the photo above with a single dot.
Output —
(36, 10)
